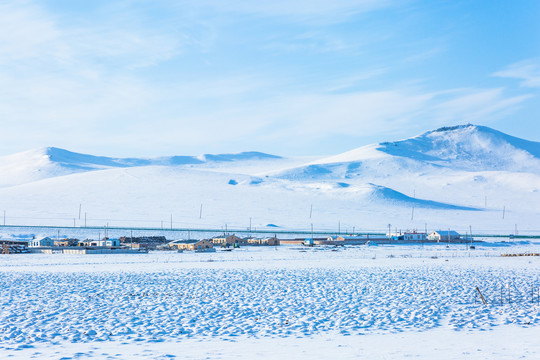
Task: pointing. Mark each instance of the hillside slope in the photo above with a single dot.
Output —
(450, 177)
(458, 148)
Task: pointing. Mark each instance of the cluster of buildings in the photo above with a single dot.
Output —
(46, 244)
(69, 245)
(390, 238)
(136, 244)
(414, 236)
(223, 241)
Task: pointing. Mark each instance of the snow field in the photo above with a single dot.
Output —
(169, 297)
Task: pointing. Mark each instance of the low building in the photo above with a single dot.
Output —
(41, 242)
(273, 241)
(346, 238)
(66, 242)
(444, 235)
(157, 240)
(414, 236)
(105, 242)
(408, 236)
(175, 244)
(192, 245)
(228, 240)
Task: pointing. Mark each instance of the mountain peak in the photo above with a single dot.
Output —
(455, 127)
(468, 147)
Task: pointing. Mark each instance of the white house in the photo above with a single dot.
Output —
(444, 235)
(109, 242)
(41, 242)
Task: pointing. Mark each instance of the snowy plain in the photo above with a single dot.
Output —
(284, 302)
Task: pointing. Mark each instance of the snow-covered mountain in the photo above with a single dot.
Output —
(450, 177)
(465, 147)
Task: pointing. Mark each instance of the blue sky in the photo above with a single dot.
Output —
(296, 77)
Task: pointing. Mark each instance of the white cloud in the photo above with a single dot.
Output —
(528, 71)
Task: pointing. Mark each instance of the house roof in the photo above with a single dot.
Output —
(42, 238)
(445, 233)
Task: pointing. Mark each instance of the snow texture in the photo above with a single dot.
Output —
(261, 293)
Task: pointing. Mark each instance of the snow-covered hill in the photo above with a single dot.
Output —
(50, 162)
(450, 177)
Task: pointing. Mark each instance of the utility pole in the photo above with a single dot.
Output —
(200, 212)
(389, 231)
(310, 210)
(504, 210)
(80, 206)
(171, 221)
(85, 219)
(425, 229)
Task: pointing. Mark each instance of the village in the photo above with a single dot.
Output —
(226, 242)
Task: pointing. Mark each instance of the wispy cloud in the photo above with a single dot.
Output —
(214, 76)
(528, 71)
(31, 35)
(477, 105)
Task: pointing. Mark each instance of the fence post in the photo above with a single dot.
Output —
(481, 296)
